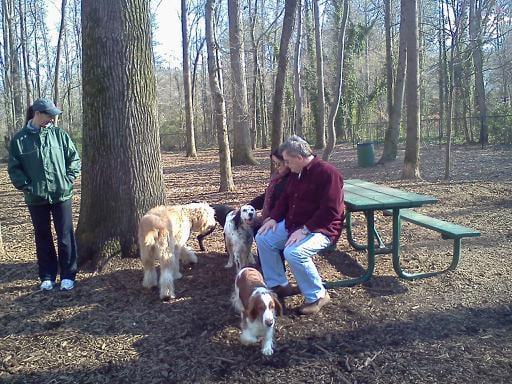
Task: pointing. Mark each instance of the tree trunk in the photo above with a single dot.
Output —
(475, 39)
(122, 173)
(339, 83)
(2, 249)
(389, 57)
(255, 110)
(56, 89)
(392, 136)
(277, 103)
(9, 107)
(189, 115)
(412, 145)
(13, 75)
(297, 88)
(242, 150)
(320, 96)
(219, 109)
(442, 82)
(24, 52)
(37, 59)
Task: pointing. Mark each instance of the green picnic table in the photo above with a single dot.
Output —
(367, 197)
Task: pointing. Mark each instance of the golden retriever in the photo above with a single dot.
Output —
(163, 234)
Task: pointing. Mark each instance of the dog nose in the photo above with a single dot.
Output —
(251, 214)
(269, 322)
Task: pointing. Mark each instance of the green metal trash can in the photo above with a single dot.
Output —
(365, 154)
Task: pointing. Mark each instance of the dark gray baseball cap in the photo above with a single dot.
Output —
(46, 106)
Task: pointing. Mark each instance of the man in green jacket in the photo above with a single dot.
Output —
(44, 163)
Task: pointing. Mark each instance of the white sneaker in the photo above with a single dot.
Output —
(47, 285)
(67, 284)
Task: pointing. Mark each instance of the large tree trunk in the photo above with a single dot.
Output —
(122, 173)
(475, 39)
(412, 142)
(219, 109)
(320, 96)
(339, 84)
(392, 135)
(189, 115)
(242, 150)
(277, 103)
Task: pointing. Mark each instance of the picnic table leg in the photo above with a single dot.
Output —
(383, 248)
(456, 254)
(357, 246)
(396, 253)
(370, 248)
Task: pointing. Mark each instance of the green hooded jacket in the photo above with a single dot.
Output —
(43, 164)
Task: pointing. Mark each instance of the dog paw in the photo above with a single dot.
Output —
(167, 295)
(192, 258)
(246, 338)
(267, 350)
(150, 281)
(228, 265)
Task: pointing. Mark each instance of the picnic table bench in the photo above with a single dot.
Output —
(367, 197)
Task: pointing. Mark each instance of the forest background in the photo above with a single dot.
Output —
(41, 56)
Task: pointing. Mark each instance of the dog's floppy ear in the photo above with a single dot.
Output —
(277, 304)
(237, 220)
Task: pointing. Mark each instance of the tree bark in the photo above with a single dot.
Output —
(12, 72)
(412, 142)
(255, 98)
(320, 96)
(219, 109)
(297, 87)
(242, 150)
(339, 84)
(62, 28)
(2, 249)
(189, 115)
(24, 51)
(475, 39)
(392, 135)
(277, 102)
(121, 168)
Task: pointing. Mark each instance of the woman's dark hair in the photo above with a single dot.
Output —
(277, 153)
(30, 114)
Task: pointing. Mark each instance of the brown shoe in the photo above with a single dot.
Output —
(286, 290)
(315, 306)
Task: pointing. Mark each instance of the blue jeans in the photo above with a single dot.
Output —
(46, 256)
(299, 257)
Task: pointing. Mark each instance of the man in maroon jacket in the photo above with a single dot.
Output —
(307, 218)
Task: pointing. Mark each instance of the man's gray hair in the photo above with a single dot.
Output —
(296, 146)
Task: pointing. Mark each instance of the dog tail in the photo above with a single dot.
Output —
(156, 232)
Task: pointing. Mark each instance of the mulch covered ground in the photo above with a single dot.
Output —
(454, 328)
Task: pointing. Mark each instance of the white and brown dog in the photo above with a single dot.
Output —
(239, 236)
(163, 234)
(258, 307)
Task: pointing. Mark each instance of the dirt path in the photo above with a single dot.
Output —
(455, 328)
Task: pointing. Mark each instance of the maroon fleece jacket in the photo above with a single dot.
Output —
(313, 198)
